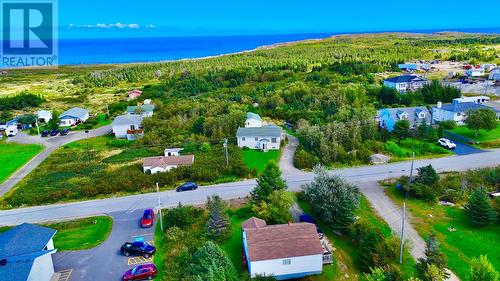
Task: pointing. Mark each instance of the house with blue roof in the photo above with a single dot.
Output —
(26, 253)
(74, 116)
(457, 111)
(405, 83)
(388, 117)
(145, 110)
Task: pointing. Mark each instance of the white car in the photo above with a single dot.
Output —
(446, 143)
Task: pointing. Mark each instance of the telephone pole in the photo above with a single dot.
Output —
(403, 220)
(225, 148)
(159, 205)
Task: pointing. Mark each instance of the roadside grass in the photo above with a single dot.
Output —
(233, 245)
(14, 156)
(483, 136)
(460, 246)
(159, 256)
(79, 234)
(423, 149)
(256, 159)
(346, 254)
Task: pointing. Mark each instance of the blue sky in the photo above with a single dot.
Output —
(150, 18)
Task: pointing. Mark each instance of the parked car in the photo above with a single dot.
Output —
(446, 143)
(45, 133)
(138, 249)
(187, 186)
(142, 272)
(148, 218)
(309, 219)
(64, 132)
(54, 132)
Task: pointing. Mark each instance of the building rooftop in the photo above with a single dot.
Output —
(270, 131)
(251, 115)
(126, 120)
(253, 222)
(144, 108)
(281, 241)
(76, 112)
(405, 79)
(464, 106)
(164, 161)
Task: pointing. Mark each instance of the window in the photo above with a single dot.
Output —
(421, 115)
(273, 140)
(132, 127)
(256, 139)
(287, 262)
(243, 138)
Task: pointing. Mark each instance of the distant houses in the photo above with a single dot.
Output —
(286, 251)
(457, 111)
(73, 116)
(26, 253)
(43, 115)
(161, 164)
(475, 99)
(134, 94)
(128, 126)
(406, 83)
(172, 151)
(475, 72)
(145, 110)
(257, 135)
(388, 117)
(494, 74)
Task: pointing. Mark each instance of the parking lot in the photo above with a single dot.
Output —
(106, 262)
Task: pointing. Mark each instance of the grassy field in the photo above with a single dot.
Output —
(486, 139)
(233, 246)
(423, 149)
(79, 234)
(159, 257)
(461, 246)
(256, 159)
(13, 156)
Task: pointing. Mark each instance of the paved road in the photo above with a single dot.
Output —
(464, 149)
(105, 262)
(50, 145)
(235, 190)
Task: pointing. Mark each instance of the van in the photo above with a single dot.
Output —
(11, 131)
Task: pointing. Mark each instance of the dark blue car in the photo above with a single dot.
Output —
(64, 132)
(187, 186)
(54, 132)
(45, 133)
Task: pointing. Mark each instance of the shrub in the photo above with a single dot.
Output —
(181, 216)
(304, 160)
(210, 263)
(448, 124)
(479, 209)
(482, 270)
(393, 149)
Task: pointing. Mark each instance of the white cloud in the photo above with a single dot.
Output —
(105, 25)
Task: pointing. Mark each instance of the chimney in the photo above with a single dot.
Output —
(439, 104)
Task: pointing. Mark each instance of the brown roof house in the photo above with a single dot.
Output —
(160, 164)
(285, 251)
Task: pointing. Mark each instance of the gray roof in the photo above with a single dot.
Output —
(412, 113)
(465, 106)
(405, 79)
(21, 245)
(127, 120)
(271, 131)
(145, 108)
(251, 115)
(76, 112)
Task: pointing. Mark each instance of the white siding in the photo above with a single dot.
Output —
(158, 169)
(298, 265)
(253, 123)
(120, 131)
(445, 115)
(50, 245)
(67, 122)
(253, 142)
(42, 269)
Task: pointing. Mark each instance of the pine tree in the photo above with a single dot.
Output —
(269, 181)
(479, 208)
(433, 257)
(481, 269)
(218, 222)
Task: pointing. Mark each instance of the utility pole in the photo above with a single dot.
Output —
(225, 148)
(38, 131)
(159, 206)
(403, 220)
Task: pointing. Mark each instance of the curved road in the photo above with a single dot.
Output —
(50, 145)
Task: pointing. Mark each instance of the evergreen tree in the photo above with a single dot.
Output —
(269, 181)
(218, 221)
(481, 269)
(433, 256)
(433, 273)
(210, 263)
(479, 209)
(401, 129)
(427, 175)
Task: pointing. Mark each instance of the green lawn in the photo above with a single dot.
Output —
(159, 257)
(79, 234)
(487, 139)
(461, 246)
(423, 149)
(233, 246)
(256, 159)
(14, 156)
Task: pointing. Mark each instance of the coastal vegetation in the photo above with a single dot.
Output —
(13, 156)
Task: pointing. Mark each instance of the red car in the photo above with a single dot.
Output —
(148, 218)
(141, 272)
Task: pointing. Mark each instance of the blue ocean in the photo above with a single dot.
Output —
(127, 50)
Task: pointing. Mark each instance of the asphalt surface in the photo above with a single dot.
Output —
(105, 262)
(50, 145)
(465, 149)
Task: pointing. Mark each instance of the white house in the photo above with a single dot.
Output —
(160, 164)
(145, 110)
(457, 111)
(256, 135)
(253, 120)
(475, 72)
(43, 115)
(494, 74)
(488, 66)
(406, 83)
(172, 151)
(127, 126)
(285, 251)
(73, 116)
(26, 253)
(475, 99)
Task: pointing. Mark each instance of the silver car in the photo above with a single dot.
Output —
(446, 143)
